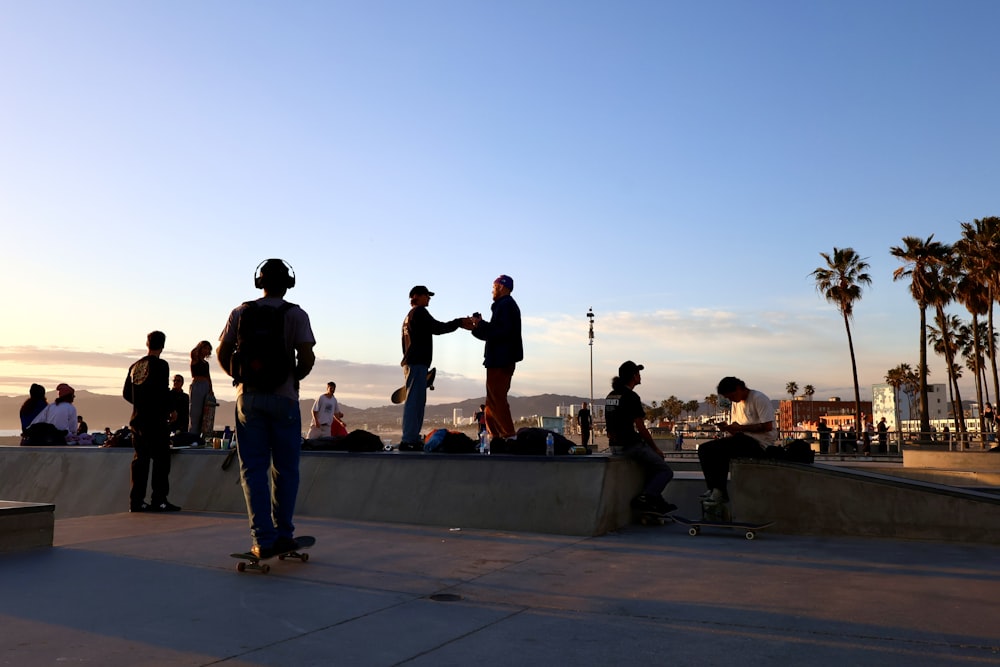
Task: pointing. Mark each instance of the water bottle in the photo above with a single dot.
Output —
(227, 438)
(484, 443)
(550, 445)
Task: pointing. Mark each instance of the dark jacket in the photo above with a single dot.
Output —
(147, 389)
(502, 334)
(419, 329)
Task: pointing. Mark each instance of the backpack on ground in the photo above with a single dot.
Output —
(261, 359)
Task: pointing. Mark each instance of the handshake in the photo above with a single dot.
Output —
(470, 323)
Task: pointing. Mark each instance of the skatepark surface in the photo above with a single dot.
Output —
(160, 589)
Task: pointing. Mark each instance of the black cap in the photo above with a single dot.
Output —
(419, 290)
(628, 369)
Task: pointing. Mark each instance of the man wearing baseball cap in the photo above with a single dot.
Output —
(504, 348)
(419, 329)
(627, 434)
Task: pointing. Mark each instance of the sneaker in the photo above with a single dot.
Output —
(284, 545)
(164, 506)
(644, 503)
(706, 495)
(716, 498)
(140, 507)
(411, 446)
(264, 552)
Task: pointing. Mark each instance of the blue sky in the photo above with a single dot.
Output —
(676, 166)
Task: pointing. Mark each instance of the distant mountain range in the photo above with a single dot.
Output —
(100, 410)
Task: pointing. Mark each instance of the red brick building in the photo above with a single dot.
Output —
(807, 413)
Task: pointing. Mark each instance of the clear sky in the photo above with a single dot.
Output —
(676, 166)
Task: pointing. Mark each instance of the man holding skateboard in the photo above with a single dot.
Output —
(628, 435)
(750, 432)
(419, 329)
(267, 348)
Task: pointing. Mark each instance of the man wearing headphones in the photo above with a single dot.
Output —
(267, 348)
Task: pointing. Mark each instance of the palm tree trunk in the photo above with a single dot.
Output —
(925, 421)
(860, 428)
(993, 348)
(976, 352)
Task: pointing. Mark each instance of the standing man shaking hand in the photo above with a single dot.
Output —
(419, 329)
(267, 348)
(504, 348)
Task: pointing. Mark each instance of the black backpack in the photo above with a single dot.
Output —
(261, 359)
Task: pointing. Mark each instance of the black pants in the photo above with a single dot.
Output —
(152, 445)
(584, 436)
(715, 456)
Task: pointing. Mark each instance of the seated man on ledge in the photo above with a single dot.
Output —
(627, 432)
(751, 431)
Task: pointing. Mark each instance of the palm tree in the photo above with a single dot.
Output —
(791, 389)
(713, 401)
(922, 260)
(840, 282)
(945, 339)
(980, 251)
(896, 378)
(808, 391)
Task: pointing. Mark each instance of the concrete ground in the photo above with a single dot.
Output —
(160, 590)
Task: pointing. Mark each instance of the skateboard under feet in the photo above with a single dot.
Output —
(250, 562)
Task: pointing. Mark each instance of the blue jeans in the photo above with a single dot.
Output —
(269, 436)
(416, 401)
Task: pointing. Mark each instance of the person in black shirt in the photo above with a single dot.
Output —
(419, 329)
(583, 419)
(628, 435)
(146, 389)
(180, 405)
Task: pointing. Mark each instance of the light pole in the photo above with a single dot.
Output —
(590, 316)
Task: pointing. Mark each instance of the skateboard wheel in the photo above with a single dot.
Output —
(281, 557)
(693, 531)
(241, 567)
(265, 568)
(304, 557)
(750, 535)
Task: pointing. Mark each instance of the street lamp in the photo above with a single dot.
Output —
(590, 316)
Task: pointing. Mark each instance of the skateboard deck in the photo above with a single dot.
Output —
(695, 526)
(208, 417)
(653, 518)
(399, 395)
(250, 562)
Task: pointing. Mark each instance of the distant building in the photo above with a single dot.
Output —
(456, 416)
(807, 413)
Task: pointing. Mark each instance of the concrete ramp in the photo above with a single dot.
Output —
(827, 500)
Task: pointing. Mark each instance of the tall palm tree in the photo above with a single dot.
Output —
(977, 289)
(896, 378)
(945, 340)
(840, 282)
(922, 260)
(808, 391)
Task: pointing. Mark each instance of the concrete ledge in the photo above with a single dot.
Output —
(825, 500)
(571, 495)
(25, 525)
(942, 459)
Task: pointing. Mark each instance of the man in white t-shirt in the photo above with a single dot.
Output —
(325, 410)
(751, 431)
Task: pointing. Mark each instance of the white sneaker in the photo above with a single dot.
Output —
(706, 495)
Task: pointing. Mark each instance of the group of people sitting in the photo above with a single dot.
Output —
(56, 423)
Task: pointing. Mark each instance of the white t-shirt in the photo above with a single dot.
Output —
(756, 409)
(326, 407)
(61, 415)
